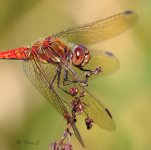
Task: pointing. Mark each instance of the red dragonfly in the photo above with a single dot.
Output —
(58, 63)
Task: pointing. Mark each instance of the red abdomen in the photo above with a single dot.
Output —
(21, 53)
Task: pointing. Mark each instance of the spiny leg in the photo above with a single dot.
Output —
(58, 77)
(57, 74)
(91, 72)
(76, 79)
(84, 78)
(65, 79)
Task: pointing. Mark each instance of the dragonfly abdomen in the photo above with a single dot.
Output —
(22, 53)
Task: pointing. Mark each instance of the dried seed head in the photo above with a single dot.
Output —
(73, 91)
(67, 147)
(88, 122)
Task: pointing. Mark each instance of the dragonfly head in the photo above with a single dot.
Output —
(80, 56)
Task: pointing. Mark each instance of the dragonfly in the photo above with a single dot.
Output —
(58, 64)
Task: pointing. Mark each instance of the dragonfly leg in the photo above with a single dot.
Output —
(84, 78)
(65, 79)
(57, 75)
(91, 72)
(74, 74)
(75, 80)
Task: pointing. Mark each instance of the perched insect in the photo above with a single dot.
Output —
(59, 66)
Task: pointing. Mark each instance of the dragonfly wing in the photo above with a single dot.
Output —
(39, 79)
(94, 109)
(108, 62)
(100, 30)
(100, 114)
(41, 75)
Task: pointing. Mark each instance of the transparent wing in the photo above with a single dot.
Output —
(100, 114)
(94, 109)
(41, 82)
(41, 76)
(100, 30)
(108, 62)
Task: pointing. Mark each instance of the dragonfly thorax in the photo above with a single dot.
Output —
(51, 50)
(80, 56)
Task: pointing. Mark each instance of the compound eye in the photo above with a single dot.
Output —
(78, 56)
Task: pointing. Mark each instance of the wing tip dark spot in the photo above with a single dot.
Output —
(108, 53)
(128, 12)
(108, 112)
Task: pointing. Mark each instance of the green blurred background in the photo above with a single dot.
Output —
(26, 117)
